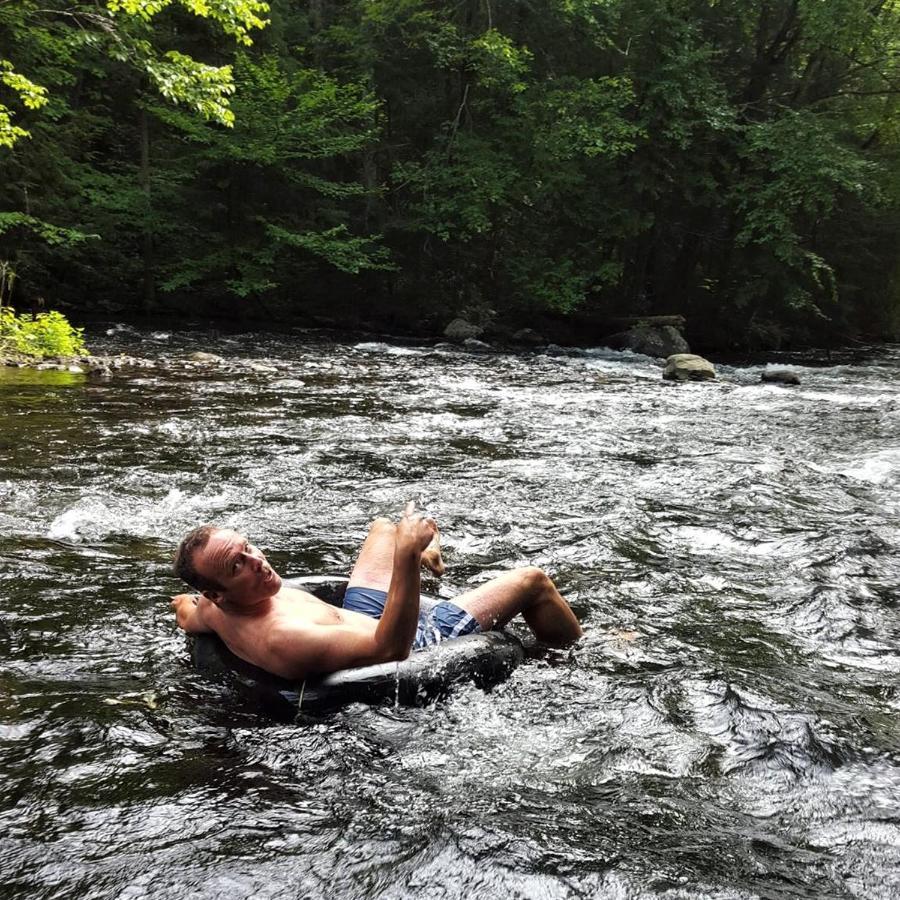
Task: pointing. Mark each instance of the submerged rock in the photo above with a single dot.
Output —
(780, 376)
(688, 367)
(460, 330)
(652, 340)
(262, 368)
(476, 346)
(201, 356)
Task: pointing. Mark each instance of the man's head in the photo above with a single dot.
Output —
(224, 566)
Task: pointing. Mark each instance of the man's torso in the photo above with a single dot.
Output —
(247, 636)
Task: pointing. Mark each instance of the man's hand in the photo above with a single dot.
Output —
(188, 614)
(397, 625)
(415, 530)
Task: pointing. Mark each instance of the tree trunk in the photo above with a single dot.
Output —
(148, 297)
(316, 15)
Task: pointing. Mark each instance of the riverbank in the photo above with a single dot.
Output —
(77, 365)
(499, 330)
(144, 343)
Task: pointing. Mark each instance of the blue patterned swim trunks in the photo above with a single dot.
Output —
(442, 622)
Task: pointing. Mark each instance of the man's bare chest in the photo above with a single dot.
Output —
(291, 608)
(297, 606)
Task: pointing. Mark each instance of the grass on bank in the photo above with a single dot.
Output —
(40, 336)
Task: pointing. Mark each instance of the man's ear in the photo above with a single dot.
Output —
(212, 596)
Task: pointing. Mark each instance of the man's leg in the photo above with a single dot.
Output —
(528, 591)
(375, 563)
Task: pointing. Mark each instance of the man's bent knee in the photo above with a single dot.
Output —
(382, 524)
(534, 579)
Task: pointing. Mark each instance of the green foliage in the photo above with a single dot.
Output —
(29, 94)
(236, 17)
(202, 88)
(71, 34)
(584, 117)
(337, 247)
(43, 335)
(733, 161)
(53, 235)
(498, 63)
(292, 122)
(461, 197)
(549, 283)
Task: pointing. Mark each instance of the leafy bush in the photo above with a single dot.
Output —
(46, 334)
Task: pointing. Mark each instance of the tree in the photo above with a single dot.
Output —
(732, 161)
(52, 36)
(66, 45)
(269, 201)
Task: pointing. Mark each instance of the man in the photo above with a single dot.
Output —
(291, 633)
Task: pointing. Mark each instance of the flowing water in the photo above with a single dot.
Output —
(727, 729)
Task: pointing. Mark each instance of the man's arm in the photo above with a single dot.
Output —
(397, 625)
(189, 613)
(300, 650)
(297, 650)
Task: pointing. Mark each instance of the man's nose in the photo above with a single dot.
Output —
(254, 557)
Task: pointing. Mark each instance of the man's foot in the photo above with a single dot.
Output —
(431, 556)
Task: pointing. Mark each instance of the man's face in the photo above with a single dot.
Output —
(229, 559)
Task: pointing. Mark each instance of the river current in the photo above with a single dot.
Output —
(727, 729)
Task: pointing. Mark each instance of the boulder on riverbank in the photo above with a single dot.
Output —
(460, 330)
(661, 341)
(528, 337)
(780, 376)
(688, 367)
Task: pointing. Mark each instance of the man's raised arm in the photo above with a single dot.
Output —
(397, 626)
(297, 651)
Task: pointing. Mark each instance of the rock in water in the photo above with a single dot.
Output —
(529, 337)
(651, 340)
(201, 356)
(459, 330)
(780, 376)
(688, 367)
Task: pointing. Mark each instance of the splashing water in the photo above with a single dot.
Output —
(726, 729)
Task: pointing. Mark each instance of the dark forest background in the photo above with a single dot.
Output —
(399, 162)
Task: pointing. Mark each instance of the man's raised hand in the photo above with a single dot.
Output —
(414, 529)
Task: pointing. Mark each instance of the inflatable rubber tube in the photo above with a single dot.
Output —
(426, 675)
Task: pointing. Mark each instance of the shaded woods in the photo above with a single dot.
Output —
(396, 162)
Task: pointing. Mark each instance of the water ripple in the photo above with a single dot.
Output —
(727, 729)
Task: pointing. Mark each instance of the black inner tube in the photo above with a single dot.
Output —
(426, 675)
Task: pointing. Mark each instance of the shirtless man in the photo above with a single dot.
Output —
(291, 633)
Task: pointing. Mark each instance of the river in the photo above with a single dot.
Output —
(727, 729)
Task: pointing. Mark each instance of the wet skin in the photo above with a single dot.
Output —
(289, 632)
(293, 634)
